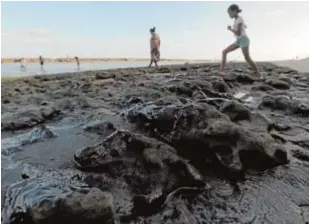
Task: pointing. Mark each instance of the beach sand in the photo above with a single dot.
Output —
(299, 65)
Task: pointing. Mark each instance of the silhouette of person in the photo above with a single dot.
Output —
(155, 43)
(77, 62)
(22, 64)
(41, 62)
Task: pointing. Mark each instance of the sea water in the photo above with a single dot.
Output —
(13, 69)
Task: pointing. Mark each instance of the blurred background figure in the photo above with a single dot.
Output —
(41, 62)
(155, 43)
(77, 62)
(22, 64)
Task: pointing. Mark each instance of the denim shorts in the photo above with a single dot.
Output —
(242, 41)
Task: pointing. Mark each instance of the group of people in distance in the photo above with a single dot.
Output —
(41, 61)
(238, 29)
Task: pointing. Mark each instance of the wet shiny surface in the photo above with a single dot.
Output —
(38, 171)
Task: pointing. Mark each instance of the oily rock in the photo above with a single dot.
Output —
(57, 200)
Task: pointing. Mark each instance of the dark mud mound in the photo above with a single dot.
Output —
(57, 199)
(285, 104)
(28, 118)
(101, 128)
(210, 135)
(150, 168)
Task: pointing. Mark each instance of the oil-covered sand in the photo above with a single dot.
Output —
(177, 144)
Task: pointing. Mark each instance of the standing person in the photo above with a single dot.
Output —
(77, 62)
(22, 64)
(242, 40)
(41, 62)
(155, 43)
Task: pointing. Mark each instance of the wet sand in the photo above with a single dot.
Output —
(95, 107)
(299, 65)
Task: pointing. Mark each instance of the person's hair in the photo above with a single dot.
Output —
(152, 30)
(234, 8)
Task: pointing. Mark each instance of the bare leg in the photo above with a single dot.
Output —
(227, 50)
(156, 63)
(245, 51)
(151, 61)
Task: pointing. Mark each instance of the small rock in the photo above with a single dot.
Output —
(101, 128)
(57, 201)
(107, 75)
(278, 84)
(44, 103)
(163, 70)
(263, 87)
(135, 100)
(244, 78)
(235, 111)
(275, 102)
(6, 101)
(49, 112)
(279, 127)
(24, 176)
(220, 86)
(302, 110)
(301, 155)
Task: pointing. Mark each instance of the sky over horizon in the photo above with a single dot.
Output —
(190, 30)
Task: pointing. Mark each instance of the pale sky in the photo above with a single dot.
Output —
(191, 30)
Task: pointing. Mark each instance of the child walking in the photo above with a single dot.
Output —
(242, 40)
(155, 43)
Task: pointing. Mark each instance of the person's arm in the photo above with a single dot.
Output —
(237, 32)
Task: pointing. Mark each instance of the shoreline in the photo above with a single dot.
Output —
(300, 66)
(68, 60)
(80, 73)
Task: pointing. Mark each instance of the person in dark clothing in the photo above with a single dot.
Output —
(41, 62)
(22, 64)
(77, 62)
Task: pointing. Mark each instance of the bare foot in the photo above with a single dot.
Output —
(221, 71)
(259, 76)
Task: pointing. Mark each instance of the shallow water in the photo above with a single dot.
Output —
(13, 69)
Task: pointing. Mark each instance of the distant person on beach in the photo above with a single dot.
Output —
(22, 64)
(155, 43)
(242, 40)
(77, 62)
(41, 62)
